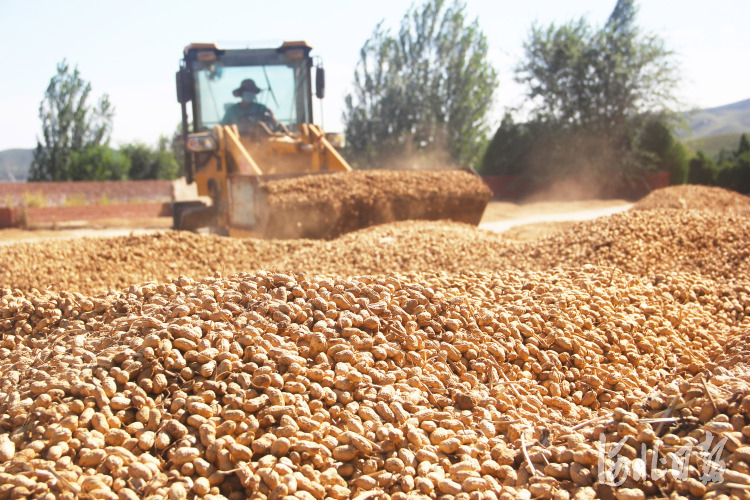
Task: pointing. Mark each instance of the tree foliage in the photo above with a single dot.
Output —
(702, 170)
(133, 161)
(147, 162)
(593, 94)
(529, 148)
(666, 152)
(731, 172)
(744, 146)
(734, 173)
(71, 124)
(425, 90)
(507, 152)
(98, 163)
(176, 146)
(598, 79)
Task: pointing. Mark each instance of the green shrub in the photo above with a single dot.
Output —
(702, 170)
(736, 174)
(99, 163)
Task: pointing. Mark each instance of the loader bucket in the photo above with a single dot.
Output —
(324, 206)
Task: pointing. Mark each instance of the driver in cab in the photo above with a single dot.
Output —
(248, 108)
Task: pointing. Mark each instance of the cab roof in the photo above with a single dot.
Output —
(290, 45)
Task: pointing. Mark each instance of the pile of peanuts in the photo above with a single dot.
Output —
(515, 377)
(280, 384)
(694, 197)
(93, 265)
(639, 242)
(373, 186)
(648, 242)
(328, 205)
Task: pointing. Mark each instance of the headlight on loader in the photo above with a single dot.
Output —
(337, 139)
(201, 143)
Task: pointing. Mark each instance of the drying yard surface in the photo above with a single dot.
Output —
(415, 359)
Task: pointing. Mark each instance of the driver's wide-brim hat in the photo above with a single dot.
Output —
(246, 86)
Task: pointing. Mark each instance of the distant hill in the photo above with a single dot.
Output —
(15, 164)
(713, 145)
(730, 119)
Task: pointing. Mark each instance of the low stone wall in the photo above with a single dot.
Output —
(48, 194)
(7, 217)
(40, 215)
(49, 202)
(15, 217)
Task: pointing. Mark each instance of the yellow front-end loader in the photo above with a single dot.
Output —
(247, 123)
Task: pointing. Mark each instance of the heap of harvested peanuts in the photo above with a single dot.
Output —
(640, 242)
(690, 197)
(583, 381)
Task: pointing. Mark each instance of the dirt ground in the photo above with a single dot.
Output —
(496, 211)
(75, 229)
(505, 210)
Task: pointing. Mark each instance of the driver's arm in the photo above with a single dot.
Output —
(268, 117)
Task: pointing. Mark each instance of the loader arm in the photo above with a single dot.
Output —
(243, 160)
(326, 153)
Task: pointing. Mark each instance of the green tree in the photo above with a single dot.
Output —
(598, 79)
(147, 162)
(529, 148)
(601, 86)
(425, 90)
(734, 169)
(175, 145)
(508, 149)
(703, 170)
(70, 124)
(744, 146)
(541, 152)
(98, 163)
(667, 153)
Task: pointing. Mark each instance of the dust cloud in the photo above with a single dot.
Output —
(576, 166)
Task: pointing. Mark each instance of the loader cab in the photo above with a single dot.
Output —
(209, 78)
(282, 77)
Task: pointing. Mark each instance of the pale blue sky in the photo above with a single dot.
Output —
(131, 50)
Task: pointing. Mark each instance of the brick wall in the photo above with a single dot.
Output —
(7, 217)
(85, 192)
(38, 215)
